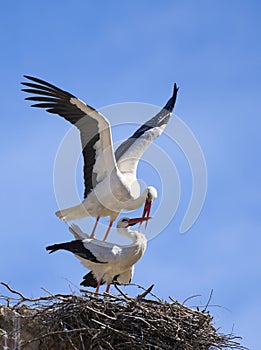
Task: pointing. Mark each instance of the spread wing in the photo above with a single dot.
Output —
(130, 151)
(95, 131)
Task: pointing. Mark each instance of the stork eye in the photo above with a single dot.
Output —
(124, 220)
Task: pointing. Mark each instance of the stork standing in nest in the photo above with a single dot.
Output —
(108, 261)
(89, 279)
(110, 178)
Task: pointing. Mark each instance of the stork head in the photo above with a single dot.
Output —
(152, 194)
(127, 222)
(123, 225)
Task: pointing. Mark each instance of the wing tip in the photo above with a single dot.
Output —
(172, 101)
(29, 77)
(175, 88)
(175, 91)
(50, 249)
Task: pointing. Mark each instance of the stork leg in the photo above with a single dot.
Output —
(94, 228)
(108, 288)
(98, 286)
(108, 230)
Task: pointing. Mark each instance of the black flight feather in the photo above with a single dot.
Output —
(77, 248)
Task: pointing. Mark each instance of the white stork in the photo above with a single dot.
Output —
(109, 177)
(89, 279)
(108, 261)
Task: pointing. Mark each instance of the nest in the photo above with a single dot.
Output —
(116, 322)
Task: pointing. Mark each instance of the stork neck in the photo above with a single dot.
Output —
(128, 233)
(137, 202)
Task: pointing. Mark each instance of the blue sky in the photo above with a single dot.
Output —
(112, 52)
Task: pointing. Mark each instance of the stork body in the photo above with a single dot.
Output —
(108, 261)
(89, 280)
(110, 178)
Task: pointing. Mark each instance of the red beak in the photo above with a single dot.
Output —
(146, 211)
(138, 220)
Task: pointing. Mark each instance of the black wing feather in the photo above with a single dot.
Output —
(77, 248)
(158, 120)
(44, 84)
(58, 101)
(89, 280)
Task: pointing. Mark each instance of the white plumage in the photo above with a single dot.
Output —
(89, 279)
(108, 262)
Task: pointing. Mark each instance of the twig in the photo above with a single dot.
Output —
(115, 330)
(154, 295)
(188, 298)
(13, 291)
(42, 298)
(210, 296)
(144, 294)
(100, 313)
(121, 292)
